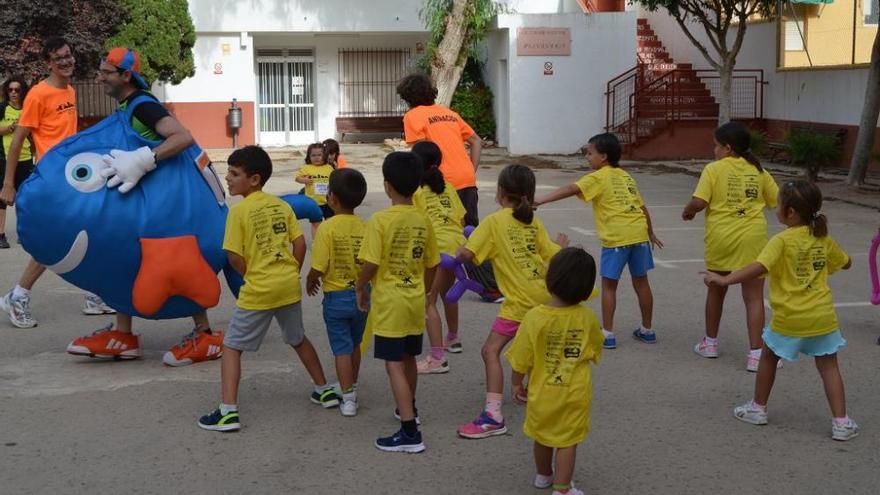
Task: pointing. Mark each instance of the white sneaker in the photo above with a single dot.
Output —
(94, 305)
(844, 432)
(705, 349)
(571, 491)
(349, 408)
(542, 481)
(19, 310)
(750, 413)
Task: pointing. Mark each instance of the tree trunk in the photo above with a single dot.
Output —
(868, 124)
(724, 96)
(448, 63)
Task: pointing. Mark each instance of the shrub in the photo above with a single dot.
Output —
(812, 150)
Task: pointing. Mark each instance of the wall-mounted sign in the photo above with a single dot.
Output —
(543, 41)
(548, 68)
(225, 48)
(218, 68)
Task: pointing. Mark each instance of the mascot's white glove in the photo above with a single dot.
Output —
(128, 167)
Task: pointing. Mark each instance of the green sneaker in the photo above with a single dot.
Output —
(326, 399)
(218, 422)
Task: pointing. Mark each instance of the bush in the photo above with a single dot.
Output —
(812, 150)
(758, 139)
(474, 104)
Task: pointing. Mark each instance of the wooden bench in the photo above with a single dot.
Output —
(392, 126)
(781, 147)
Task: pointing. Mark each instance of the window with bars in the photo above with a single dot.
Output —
(368, 80)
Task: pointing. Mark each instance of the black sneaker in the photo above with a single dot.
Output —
(4, 244)
(401, 442)
(416, 411)
(326, 399)
(218, 422)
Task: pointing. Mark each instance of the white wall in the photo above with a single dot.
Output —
(816, 95)
(556, 114)
(237, 80)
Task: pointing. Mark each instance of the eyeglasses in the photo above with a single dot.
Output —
(110, 72)
(61, 59)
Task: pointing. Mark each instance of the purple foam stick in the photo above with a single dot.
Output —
(462, 282)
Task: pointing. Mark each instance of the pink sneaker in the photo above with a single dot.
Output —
(706, 349)
(482, 427)
(430, 366)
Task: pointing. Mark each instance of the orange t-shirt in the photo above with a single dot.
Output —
(50, 113)
(447, 130)
(340, 162)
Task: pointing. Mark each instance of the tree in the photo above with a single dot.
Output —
(86, 24)
(456, 27)
(868, 124)
(715, 18)
(163, 32)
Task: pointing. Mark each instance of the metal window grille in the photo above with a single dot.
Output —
(91, 101)
(368, 80)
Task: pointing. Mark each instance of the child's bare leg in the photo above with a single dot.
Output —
(492, 358)
(714, 306)
(609, 303)
(433, 323)
(543, 459)
(123, 322)
(412, 374)
(309, 358)
(345, 371)
(442, 282)
(230, 375)
(356, 363)
(833, 382)
(646, 299)
(766, 376)
(564, 466)
(753, 297)
(400, 387)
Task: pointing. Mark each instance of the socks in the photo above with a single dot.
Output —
(451, 336)
(20, 292)
(493, 406)
(320, 388)
(841, 421)
(437, 353)
(645, 330)
(755, 353)
(561, 487)
(607, 334)
(228, 408)
(710, 340)
(758, 406)
(409, 427)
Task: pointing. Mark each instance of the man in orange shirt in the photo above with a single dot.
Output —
(427, 121)
(47, 117)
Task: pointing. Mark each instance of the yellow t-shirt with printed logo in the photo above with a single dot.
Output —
(320, 175)
(335, 250)
(617, 206)
(736, 229)
(260, 229)
(799, 264)
(446, 213)
(554, 347)
(520, 254)
(401, 241)
(12, 115)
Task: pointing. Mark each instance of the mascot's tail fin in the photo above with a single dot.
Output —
(233, 279)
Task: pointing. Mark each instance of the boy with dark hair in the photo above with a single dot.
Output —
(399, 254)
(259, 233)
(334, 259)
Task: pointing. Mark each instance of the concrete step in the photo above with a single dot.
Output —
(647, 37)
(683, 100)
(649, 43)
(689, 112)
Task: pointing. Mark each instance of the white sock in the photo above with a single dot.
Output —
(20, 292)
(646, 330)
(755, 353)
(350, 397)
(607, 334)
(321, 388)
(711, 341)
(228, 408)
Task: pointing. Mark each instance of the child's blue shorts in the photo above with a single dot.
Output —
(345, 322)
(637, 256)
(789, 348)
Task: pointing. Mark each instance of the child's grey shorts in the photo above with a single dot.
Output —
(249, 326)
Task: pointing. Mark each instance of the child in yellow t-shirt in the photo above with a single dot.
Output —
(399, 255)
(315, 174)
(515, 240)
(798, 261)
(554, 346)
(734, 190)
(439, 200)
(625, 230)
(259, 233)
(334, 259)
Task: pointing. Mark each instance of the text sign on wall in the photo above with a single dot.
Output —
(543, 41)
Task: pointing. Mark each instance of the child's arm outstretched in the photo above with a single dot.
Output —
(563, 192)
(694, 206)
(750, 272)
(654, 240)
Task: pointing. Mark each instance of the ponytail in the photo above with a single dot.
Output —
(517, 185)
(431, 156)
(805, 199)
(751, 158)
(433, 178)
(524, 211)
(819, 225)
(737, 136)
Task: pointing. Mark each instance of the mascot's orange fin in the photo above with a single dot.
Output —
(173, 266)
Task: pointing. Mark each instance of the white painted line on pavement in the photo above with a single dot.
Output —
(586, 232)
(692, 260)
(664, 264)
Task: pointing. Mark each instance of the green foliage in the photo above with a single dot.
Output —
(473, 100)
(812, 150)
(701, 10)
(478, 18)
(758, 141)
(163, 32)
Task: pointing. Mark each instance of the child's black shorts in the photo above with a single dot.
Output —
(397, 348)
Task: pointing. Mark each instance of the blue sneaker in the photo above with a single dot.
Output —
(401, 442)
(646, 337)
(610, 342)
(216, 421)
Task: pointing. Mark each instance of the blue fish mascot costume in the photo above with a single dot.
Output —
(150, 248)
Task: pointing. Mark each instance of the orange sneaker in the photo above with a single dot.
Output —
(107, 343)
(196, 347)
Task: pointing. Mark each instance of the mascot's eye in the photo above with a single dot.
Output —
(82, 172)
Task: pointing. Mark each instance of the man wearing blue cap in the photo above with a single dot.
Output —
(120, 74)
